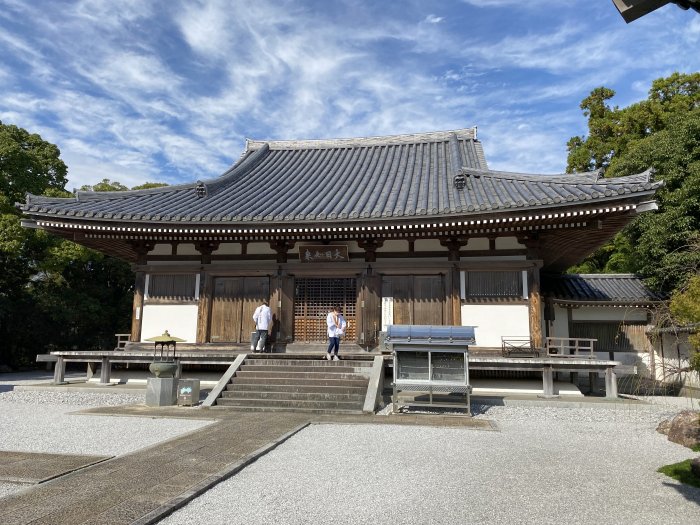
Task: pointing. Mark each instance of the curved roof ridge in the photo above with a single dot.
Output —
(243, 165)
(30, 198)
(411, 138)
(589, 177)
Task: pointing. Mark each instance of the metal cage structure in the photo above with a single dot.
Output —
(432, 359)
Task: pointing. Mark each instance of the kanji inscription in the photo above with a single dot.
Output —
(323, 253)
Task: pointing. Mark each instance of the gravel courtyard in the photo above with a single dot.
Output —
(541, 465)
(545, 465)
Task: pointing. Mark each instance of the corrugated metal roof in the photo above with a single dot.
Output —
(348, 179)
(599, 288)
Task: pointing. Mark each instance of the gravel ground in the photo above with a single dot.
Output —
(545, 465)
(45, 421)
(54, 426)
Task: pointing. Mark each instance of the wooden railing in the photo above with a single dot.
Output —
(570, 347)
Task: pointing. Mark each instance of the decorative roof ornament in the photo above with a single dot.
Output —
(460, 181)
(200, 189)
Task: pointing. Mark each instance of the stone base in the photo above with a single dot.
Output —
(161, 391)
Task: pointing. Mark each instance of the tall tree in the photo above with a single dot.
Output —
(28, 164)
(662, 132)
(54, 294)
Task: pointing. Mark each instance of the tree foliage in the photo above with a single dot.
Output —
(661, 132)
(685, 308)
(28, 164)
(104, 185)
(54, 294)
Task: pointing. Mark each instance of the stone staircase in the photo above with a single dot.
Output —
(299, 385)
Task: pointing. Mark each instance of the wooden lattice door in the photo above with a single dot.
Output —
(313, 299)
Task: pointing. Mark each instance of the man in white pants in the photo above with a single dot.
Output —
(263, 321)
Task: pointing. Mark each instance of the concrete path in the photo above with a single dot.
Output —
(144, 486)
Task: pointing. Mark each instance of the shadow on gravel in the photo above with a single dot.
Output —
(6, 388)
(688, 492)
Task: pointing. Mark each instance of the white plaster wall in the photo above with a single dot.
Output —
(676, 355)
(228, 248)
(394, 246)
(477, 243)
(178, 319)
(560, 326)
(508, 243)
(187, 249)
(493, 321)
(260, 248)
(603, 313)
(428, 245)
(162, 249)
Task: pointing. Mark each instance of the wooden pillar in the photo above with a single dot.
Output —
(137, 308)
(454, 297)
(285, 319)
(453, 303)
(370, 310)
(276, 307)
(535, 307)
(206, 283)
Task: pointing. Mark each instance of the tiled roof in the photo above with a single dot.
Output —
(598, 288)
(377, 178)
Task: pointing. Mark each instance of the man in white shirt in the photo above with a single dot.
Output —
(263, 322)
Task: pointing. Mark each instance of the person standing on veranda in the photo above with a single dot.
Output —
(336, 328)
(263, 322)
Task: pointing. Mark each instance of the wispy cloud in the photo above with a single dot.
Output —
(167, 91)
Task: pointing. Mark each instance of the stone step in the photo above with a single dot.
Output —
(321, 374)
(314, 369)
(308, 362)
(302, 396)
(283, 380)
(305, 388)
(291, 403)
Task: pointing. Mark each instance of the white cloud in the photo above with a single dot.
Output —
(137, 91)
(432, 19)
(529, 4)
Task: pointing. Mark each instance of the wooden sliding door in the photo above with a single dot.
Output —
(233, 303)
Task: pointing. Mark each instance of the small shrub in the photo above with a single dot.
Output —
(681, 472)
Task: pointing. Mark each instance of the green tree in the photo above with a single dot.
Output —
(149, 185)
(54, 294)
(28, 164)
(662, 132)
(104, 185)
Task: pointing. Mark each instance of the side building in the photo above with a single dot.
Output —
(405, 229)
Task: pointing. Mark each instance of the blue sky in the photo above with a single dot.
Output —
(137, 90)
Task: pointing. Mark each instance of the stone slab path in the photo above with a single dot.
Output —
(33, 467)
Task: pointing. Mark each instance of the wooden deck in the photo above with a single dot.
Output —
(548, 366)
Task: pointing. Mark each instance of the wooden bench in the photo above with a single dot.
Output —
(520, 346)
